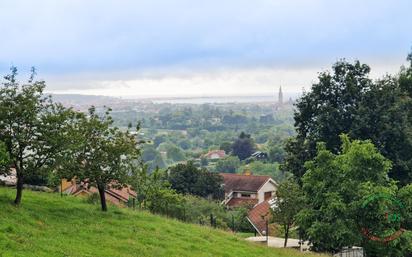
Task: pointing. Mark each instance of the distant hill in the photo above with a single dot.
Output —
(48, 225)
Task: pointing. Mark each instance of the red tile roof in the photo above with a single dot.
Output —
(220, 153)
(122, 195)
(255, 216)
(237, 182)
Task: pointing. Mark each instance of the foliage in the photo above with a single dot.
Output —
(188, 179)
(405, 196)
(347, 101)
(157, 163)
(226, 146)
(159, 139)
(204, 161)
(289, 201)
(335, 187)
(32, 128)
(385, 117)
(4, 156)
(244, 146)
(149, 153)
(100, 155)
(228, 165)
(267, 169)
(276, 150)
(154, 192)
(175, 153)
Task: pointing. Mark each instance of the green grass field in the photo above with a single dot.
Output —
(47, 225)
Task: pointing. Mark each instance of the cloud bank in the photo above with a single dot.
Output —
(203, 47)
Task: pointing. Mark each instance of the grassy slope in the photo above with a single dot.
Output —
(47, 225)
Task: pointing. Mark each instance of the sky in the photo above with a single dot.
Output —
(135, 48)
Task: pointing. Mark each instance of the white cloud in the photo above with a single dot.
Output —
(250, 81)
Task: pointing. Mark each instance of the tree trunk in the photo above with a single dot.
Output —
(102, 194)
(19, 187)
(286, 235)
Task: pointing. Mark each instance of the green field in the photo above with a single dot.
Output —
(47, 225)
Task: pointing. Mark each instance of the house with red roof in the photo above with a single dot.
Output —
(215, 154)
(116, 196)
(248, 189)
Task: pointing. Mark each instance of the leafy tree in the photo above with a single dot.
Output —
(4, 156)
(385, 116)
(32, 128)
(298, 150)
(184, 144)
(380, 216)
(327, 111)
(159, 139)
(276, 153)
(188, 179)
(244, 146)
(228, 165)
(334, 188)
(289, 201)
(347, 101)
(175, 153)
(154, 192)
(226, 146)
(405, 196)
(149, 153)
(100, 155)
(157, 163)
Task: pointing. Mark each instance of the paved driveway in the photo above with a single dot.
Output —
(278, 242)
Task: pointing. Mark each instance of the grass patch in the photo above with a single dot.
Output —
(47, 225)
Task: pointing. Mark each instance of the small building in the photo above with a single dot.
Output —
(215, 154)
(248, 189)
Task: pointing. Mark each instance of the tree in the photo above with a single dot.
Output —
(32, 127)
(289, 201)
(226, 146)
(149, 153)
(334, 189)
(157, 163)
(385, 117)
(347, 101)
(100, 155)
(175, 153)
(327, 111)
(159, 139)
(228, 165)
(276, 153)
(154, 192)
(188, 179)
(244, 146)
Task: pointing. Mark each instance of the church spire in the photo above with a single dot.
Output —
(280, 96)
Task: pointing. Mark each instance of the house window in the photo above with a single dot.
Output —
(268, 195)
(245, 195)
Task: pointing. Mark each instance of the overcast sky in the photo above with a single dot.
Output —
(186, 47)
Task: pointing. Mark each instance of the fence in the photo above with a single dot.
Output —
(350, 252)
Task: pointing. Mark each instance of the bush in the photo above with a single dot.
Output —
(94, 198)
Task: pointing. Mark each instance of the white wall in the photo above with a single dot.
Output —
(267, 187)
